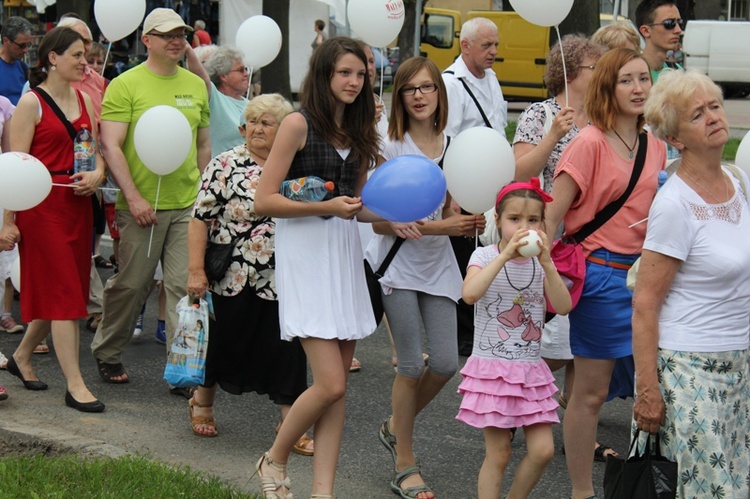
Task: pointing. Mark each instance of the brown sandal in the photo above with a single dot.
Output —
(196, 421)
(303, 445)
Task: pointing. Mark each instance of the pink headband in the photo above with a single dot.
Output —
(532, 185)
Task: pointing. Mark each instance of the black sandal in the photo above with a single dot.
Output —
(108, 372)
(599, 453)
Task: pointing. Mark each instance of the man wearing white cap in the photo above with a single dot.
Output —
(158, 81)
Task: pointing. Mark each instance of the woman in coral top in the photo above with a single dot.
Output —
(593, 171)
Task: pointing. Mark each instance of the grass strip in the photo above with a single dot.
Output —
(40, 476)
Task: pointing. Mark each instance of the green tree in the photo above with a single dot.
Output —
(275, 76)
(80, 7)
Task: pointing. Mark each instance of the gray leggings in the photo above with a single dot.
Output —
(404, 309)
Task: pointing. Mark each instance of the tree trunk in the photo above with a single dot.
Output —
(80, 7)
(583, 18)
(406, 35)
(275, 76)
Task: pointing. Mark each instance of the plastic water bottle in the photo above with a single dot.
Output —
(84, 150)
(662, 179)
(306, 189)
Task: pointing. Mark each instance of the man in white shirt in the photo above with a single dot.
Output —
(472, 84)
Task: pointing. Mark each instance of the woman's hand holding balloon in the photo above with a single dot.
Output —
(345, 207)
(562, 123)
(87, 182)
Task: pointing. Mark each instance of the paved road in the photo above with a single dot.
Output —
(142, 417)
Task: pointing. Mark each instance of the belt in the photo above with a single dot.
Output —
(610, 263)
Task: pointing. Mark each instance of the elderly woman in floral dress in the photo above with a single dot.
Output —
(245, 352)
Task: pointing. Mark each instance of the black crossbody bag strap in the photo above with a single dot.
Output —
(51, 103)
(609, 211)
(471, 94)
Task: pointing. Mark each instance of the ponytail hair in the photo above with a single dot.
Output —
(57, 40)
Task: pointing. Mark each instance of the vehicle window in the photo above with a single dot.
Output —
(438, 31)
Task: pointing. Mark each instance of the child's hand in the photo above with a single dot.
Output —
(511, 248)
(544, 256)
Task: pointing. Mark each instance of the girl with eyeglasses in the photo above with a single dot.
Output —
(422, 284)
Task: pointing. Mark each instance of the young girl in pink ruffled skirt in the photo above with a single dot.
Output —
(506, 383)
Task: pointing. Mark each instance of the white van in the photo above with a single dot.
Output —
(721, 50)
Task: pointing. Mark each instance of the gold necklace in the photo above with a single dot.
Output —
(724, 179)
(630, 149)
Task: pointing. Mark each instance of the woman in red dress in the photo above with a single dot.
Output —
(54, 238)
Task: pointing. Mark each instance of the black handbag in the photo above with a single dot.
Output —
(643, 476)
(373, 280)
(216, 260)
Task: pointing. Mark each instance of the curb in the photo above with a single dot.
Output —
(52, 442)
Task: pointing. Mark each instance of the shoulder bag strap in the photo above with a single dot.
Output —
(389, 257)
(447, 144)
(52, 104)
(471, 94)
(609, 211)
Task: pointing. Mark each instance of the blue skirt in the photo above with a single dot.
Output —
(600, 325)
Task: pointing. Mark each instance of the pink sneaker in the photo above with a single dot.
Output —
(8, 324)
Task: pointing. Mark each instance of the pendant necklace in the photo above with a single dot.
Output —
(630, 149)
(695, 181)
(520, 290)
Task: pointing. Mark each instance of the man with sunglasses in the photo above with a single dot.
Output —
(157, 81)
(16, 35)
(661, 26)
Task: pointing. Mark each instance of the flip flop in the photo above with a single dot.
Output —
(41, 349)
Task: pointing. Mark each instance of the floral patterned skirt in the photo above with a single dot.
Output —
(707, 426)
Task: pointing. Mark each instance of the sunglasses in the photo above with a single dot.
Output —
(670, 24)
(243, 69)
(22, 46)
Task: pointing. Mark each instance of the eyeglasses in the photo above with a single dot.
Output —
(670, 24)
(243, 69)
(592, 67)
(168, 38)
(22, 46)
(427, 88)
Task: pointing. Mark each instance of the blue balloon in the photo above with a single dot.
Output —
(405, 189)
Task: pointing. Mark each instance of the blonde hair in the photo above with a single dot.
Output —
(273, 104)
(668, 98)
(617, 35)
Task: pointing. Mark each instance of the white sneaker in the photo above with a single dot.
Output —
(138, 331)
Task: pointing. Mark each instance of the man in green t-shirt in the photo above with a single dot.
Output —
(158, 81)
(660, 25)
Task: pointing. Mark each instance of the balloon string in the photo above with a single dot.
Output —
(476, 243)
(106, 56)
(156, 203)
(382, 72)
(562, 56)
(249, 83)
(99, 188)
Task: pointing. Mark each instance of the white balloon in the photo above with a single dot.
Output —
(377, 22)
(118, 18)
(163, 139)
(15, 274)
(478, 163)
(543, 12)
(533, 247)
(259, 37)
(24, 181)
(743, 154)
